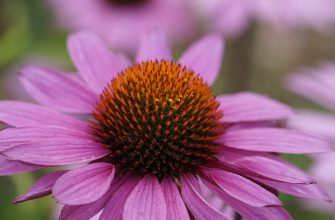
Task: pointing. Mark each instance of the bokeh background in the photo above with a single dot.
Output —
(258, 61)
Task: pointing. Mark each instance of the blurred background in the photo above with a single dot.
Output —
(258, 60)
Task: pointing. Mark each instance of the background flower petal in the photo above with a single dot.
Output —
(85, 184)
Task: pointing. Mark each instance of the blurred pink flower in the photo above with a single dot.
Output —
(158, 141)
(232, 17)
(123, 22)
(318, 85)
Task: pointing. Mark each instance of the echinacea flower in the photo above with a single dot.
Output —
(232, 17)
(156, 139)
(122, 22)
(318, 85)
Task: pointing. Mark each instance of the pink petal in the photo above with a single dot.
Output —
(200, 209)
(42, 187)
(88, 211)
(115, 205)
(316, 86)
(153, 46)
(57, 151)
(146, 201)
(21, 114)
(9, 167)
(310, 191)
(249, 212)
(242, 189)
(276, 140)
(176, 209)
(205, 57)
(57, 90)
(319, 122)
(15, 136)
(85, 184)
(247, 106)
(95, 62)
(265, 166)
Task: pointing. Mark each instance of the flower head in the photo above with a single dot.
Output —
(317, 84)
(232, 17)
(122, 22)
(156, 139)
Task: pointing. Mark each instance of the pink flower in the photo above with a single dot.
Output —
(157, 140)
(318, 85)
(232, 17)
(122, 22)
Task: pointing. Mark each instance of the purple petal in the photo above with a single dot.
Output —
(153, 46)
(21, 114)
(15, 136)
(9, 167)
(276, 140)
(249, 212)
(200, 209)
(265, 166)
(88, 211)
(115, 205)
(176, 209)
(310, 191)
(204, 57)
(57, 90)
(247, 106)
(42, 187)
(95, 62)
(57, 152)
(242, 189)
(85, 184)
(146, 201)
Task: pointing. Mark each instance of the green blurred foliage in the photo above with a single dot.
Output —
(257, 61)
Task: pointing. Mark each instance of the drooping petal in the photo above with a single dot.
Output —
(42, 187)
(276, 140)
(57, 151)
(15, 136)
(85, 184)
(22, 114)
(10, 167)
(115, 206)
(88, 211)
(310, 191)
(204, 57)
(249, 212)
(242, 189)
(146, 201)
(248, 107)
(265, 166)
(200, 209)
(57, 90)
(96, 64)
(176, 209)
(153, 46)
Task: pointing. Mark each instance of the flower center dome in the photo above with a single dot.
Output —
(158, 118)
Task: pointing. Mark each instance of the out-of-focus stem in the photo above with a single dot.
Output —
(241, 60)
